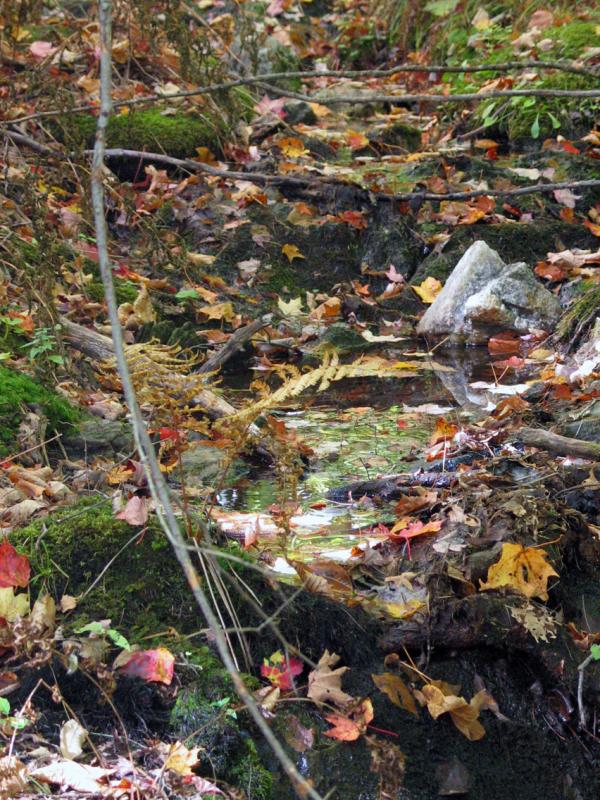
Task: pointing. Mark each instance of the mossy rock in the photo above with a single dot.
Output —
(17, 392)
(142, 591)
(177, 135)
(394, 136)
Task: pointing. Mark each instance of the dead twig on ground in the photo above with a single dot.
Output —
(262, 178)
(560, 445)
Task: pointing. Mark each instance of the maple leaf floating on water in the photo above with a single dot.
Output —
(281, 671)
(523, 569)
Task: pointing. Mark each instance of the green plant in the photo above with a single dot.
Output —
(43, 346)
(15, 721)
(104, 631)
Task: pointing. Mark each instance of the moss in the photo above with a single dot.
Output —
(203, 715)
(16, 392)
(126, 291)
(69, 551)
(176, 135)
(572, 38)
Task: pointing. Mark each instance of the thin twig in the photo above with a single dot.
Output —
(156, 481)
(314, 181)
(581, 669)
(309, 74)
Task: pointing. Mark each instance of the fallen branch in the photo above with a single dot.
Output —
(156, 481)
(310, 74)
(235, 342)
(560, 445)
(316, 181)
(434, 99)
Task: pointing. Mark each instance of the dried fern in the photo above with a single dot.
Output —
(328, 372)
(164, 380)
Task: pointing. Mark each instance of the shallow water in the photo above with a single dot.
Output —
(360, 430)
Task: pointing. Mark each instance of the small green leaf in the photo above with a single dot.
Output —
(535, 128)
(93, 627)
(440, 8)
(118, 639)
(554, 120)
(187, 294)
(18, 723)
(4, 706)
(56, 360)
(595, 652)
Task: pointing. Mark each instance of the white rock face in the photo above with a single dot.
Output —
(483, 296)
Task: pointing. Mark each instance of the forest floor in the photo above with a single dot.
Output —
(399, 534)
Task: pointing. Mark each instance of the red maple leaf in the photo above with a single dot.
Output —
(14, 569)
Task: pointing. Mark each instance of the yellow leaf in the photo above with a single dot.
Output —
(200, 259)
(398, 692)
(523, 569)
(219, 311)
(428, 290)
(290, 309)
(142, 307)
(464, 715)
(181, 760)
(13, 606)
(291, 147)
(290, 251)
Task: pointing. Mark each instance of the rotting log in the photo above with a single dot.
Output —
(560, 445)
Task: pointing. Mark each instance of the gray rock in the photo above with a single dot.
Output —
(98, 435)
(483, 296)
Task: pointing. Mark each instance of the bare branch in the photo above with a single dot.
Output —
(309, 74)
(156, 481)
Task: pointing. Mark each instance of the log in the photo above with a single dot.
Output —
(235, 342)
(100, 348)
(560, 445)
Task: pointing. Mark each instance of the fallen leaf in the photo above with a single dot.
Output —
(135, 511)
(72, 739)
(324, 683)
(281, 671)
(70, 774)
(428, 290)
(150, 665)
(290, 251)
(218, 311)
(349, 728)
(292, 308)
(439, 700)
(14, 568)
(41, 49)
(397, 691)
(12, 605)
(523, 569)
(13, 777)
(180, 759)
(200, 259)
(291, 147)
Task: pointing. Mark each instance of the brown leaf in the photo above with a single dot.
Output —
(398, 692)
(325, 684)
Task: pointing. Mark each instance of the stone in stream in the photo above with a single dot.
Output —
(483, 296)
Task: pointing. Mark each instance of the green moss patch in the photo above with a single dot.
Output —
(16, 392)
(143, 591)
(177, 135)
